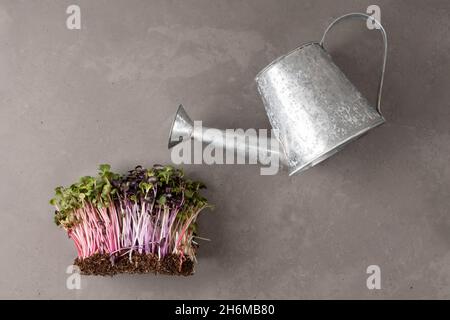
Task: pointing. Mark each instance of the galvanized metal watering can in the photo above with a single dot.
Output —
(312, 105)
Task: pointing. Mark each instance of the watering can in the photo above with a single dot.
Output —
(313, 107)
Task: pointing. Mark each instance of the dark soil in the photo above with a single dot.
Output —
(105, 265)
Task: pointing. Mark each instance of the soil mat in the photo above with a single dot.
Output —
(106, 265)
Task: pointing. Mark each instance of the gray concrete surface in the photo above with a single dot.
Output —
(70, 100)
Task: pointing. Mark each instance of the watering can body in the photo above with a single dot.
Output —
(314, 109)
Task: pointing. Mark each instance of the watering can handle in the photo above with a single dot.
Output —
(383, 32)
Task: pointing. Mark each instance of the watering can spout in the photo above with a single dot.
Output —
(182, 127)
(238, 142)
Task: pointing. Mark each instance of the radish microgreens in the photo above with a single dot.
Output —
(149, 211)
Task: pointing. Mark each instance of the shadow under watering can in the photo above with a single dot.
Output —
(313, 107)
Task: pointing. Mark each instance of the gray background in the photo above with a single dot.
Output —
(107, 93)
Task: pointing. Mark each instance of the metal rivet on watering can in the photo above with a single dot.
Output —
(312, 105)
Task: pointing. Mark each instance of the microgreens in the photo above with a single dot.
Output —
(151, 211)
